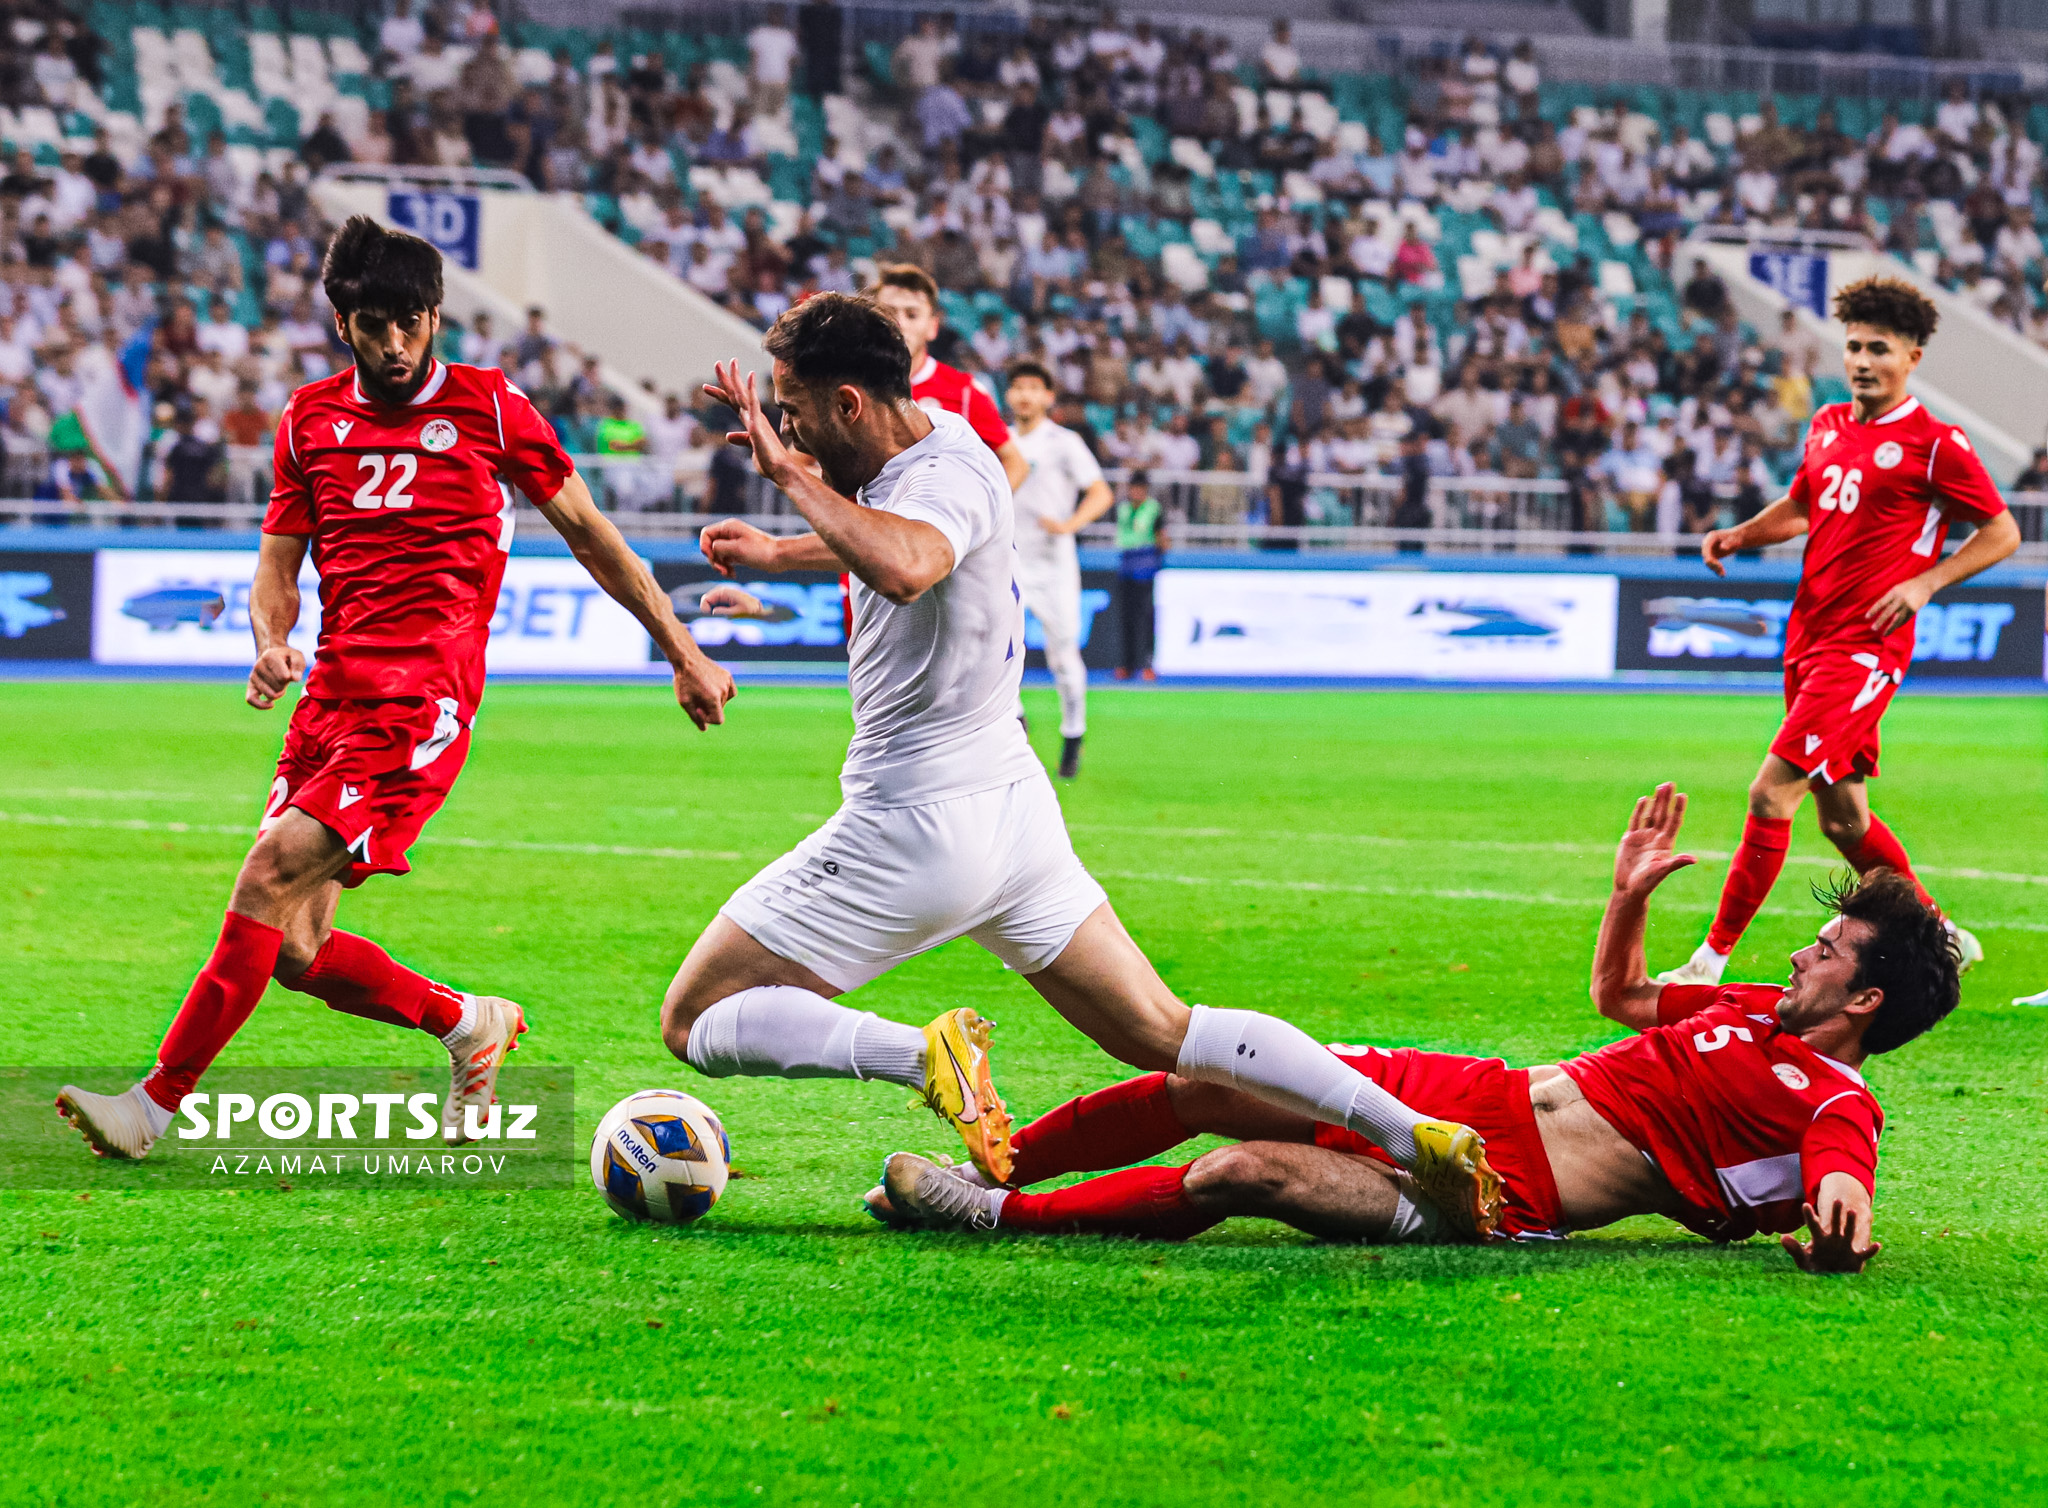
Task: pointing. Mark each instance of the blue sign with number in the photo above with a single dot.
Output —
(449, 221)
(1800, 277)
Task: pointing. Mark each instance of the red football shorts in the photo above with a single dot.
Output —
(1833, 702)
(1483, 1093)
(371, 772)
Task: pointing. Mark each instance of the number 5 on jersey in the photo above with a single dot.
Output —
(401, 468)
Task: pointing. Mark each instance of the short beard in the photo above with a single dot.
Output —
(383, 392)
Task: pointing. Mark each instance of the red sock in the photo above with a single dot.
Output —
(1881, 845)
(219, 1001)
(1751, 873)
(1151, 1202)
(1111, 1128)
(353, 974)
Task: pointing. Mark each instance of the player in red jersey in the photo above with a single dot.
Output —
(1880, 483)
(1733, 1110)
(399, 472)
(909, 294)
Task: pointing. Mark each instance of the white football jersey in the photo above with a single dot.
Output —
(934, 681)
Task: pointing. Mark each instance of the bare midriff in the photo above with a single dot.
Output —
(1601, 1175)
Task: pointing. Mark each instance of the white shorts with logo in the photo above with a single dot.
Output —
(877, 885)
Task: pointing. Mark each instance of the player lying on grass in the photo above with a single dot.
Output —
(1733, 1110)
(397, 471)
(1878, 486)
(949, 825)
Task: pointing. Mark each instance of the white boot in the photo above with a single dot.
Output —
(1704, 967)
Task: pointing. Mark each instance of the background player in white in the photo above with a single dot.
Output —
(1064, 493)
(949, 825)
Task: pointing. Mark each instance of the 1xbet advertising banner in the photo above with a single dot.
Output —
(191, 607)
(1985, 633)
(808, 620)
(1432, 625)
(45, 605)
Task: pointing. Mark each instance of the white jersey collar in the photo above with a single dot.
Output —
(1841, 1068)
(436, 379)
(1892, 416)
(924, 373)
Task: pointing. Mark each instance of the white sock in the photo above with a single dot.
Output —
(1285, 1066)
(784, 1031)
(1414, 1223)
(1070, 676)
(159, 1118)
(463, 1027)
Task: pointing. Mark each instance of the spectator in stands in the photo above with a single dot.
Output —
(1279, 63)
(821, 27)
(400, 36)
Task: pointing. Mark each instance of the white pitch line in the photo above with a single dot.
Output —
(1494, 845)
(1242, 882)
(505, 845)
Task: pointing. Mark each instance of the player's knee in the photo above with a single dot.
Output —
(1239, 1176)
(295, 955)
(678, 1014)
(1844, 830)
(1199, 1107)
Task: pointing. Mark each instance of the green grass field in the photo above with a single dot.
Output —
(1405, 868)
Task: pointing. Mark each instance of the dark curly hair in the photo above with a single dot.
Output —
(1888, 304)
(1911, 957)
(834, 338)
(386, 272)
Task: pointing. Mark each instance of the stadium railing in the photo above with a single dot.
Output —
(1470, 516)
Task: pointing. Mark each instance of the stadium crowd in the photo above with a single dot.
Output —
(1231, 262)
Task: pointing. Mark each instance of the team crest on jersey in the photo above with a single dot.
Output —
(438, 435)
(1791, 1077)
(1889, 454)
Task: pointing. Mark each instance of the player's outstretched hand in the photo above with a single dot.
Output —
(275, 669)
(733, 545)
(1716, 547)
(737, 393)
(734, 602)
(1898, 605)
(703, 687)
(1645, 859)
(1833, 1248)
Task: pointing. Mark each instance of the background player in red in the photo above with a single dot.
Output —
(909, 294)
(398, 471)
(1880, 483)
(1735, 1109)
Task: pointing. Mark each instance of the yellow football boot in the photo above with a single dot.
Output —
(1452, 1171)
(960, 1092)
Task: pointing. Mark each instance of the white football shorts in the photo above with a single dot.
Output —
(877, 885)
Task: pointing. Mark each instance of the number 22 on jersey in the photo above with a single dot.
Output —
(401, 469)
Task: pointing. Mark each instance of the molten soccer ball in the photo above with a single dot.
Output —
(660, 1155)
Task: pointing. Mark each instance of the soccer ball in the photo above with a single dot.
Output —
(660, 1155)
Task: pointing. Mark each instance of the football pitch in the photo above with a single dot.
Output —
(1402, 868)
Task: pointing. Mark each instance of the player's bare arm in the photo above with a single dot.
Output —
(1622, 989)
(1995, 539)
(1785, 519)
(1095, 502)
(273, 612)
(1015, 467)
(703, 687)
(898, 557)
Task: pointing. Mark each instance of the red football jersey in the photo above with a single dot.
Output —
(937, 386)
(1742, 1118)
(1879, 499)
(411, 520)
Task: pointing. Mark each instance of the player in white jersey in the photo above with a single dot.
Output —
(1063, 494)
(949, 826)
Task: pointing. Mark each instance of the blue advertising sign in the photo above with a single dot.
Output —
(1800, 277)
(450, 221)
